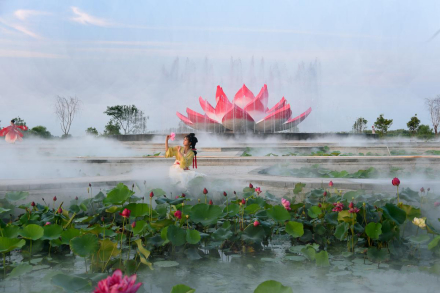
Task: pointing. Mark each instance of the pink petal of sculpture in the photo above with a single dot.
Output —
(243, 97)
(223, 106)
(209, 110)
(279, 105)
(297, 120)
(237, 119)
(257, 108)
(274, 121)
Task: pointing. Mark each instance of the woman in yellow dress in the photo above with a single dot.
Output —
(185, 157)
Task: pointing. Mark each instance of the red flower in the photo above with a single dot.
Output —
(256, 224)
(125, 213)
(76, 198)
(243, 201)
(177, 196)
(55, 198)
(235, 193)
(133, 225)
(47, 223)
(350, 205)
(33, 203)
(338, 207)
(422, 189)
(224, 193)
(330, 184)
(183, 194)
(258, 190)
(353, 210)
(205, 191)
(325, 193)
(319, 205)
(60, 211)
(178, 214)
(117, 283)
(151, 194)
(210, 202)
(90, 184)
(250, 185)
(395, 181)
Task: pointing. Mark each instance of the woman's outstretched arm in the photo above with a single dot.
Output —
(166, 143)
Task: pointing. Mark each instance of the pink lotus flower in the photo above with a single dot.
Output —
(330, 184)
(258, 190)
(286, 204)
(178, 214)
(125, 213)
(177, 196)
(395, 181)
(172, 136)
(118, 284)
(133, 225)
(256, 224)
(338, 207)
(353, 210)
(350, 205)
(47, 223)
(436, 204)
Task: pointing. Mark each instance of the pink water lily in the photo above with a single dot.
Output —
(178, 214)
(286, 204)
(338, 207)
(172, 136)
(118, 284)
(258, 190)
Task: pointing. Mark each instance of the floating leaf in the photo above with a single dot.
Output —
(166, 264)
(373, 230)
(19, 270)
(272, 287)
(377, 255)
(322, 259)
(32, 232)
(182, 289)
(419, 239)
(84, 245)
(309, 252)
(71, 283)
(295, 229)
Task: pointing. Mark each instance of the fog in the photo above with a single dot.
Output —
(343, 59)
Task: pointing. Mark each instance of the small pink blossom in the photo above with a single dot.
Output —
(286, 204)
(353, 210)
(178, 214)
(256, 224)
(172, 136)
(258, 190)
(395, 181)
(330, 184)
(118, 284)
(133, 225)
(47, 223)
(338, 207)
(125, 213)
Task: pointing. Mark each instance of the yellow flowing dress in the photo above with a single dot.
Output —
(179, 171)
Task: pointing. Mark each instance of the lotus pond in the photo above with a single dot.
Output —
(319, 240)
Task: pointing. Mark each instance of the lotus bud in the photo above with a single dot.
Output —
(395, 181)
(325, 193)
(47, 223)
(235, 193)
(32, 204)
(90, 184)
(151, 194)
(224, 193)
(55, 198)
(60, 210)
(210, 202)
(330, 184)
(422, 190)
(250, 185)
(187, 216)
(183, 195)
(256, 224)
(205, 191)
(183, 204)
(102, 219)
(364, 204)
(178, 214)
(319, 205)
(76, 198)
(133, 225)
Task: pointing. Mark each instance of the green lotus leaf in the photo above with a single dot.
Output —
(140, 227)
(252, 208)
(373, 230)
(341, 231)
(84, 245)
(19, 270)
(322, 259)
(2, 210)
(253, 234)
(205, 214)
(107, 250)
(298, 187)
(16, 195)
(32, 232)
(272, 287)
(52, 231)
(118, 195)
(232, 210)
(182, 289)
(221, 234)
(314, 212)
(176, 235)
(377, 255)
(394, 213)
(11, 231)
(112, 209)
(309, 252)
(419, 239)
(68, 234)
(138, 209)
(295, 229)
(71, 283)
(9, 244)
(192, 236)
(278, 214)
(434, 242)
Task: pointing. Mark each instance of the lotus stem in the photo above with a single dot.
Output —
(4, 266)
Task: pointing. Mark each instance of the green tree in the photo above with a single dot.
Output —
(413, 124)
(129, 118)
(40, 131)
(92, 131)
(424, 130)
(382, 124)
(111, 129)
(359, 125)
(19, 121)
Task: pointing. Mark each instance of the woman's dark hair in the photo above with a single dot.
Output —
(192, 140)
(13, 121)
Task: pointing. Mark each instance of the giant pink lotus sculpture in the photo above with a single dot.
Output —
(245, 112)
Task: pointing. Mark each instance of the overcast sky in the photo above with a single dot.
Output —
(376, 56)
